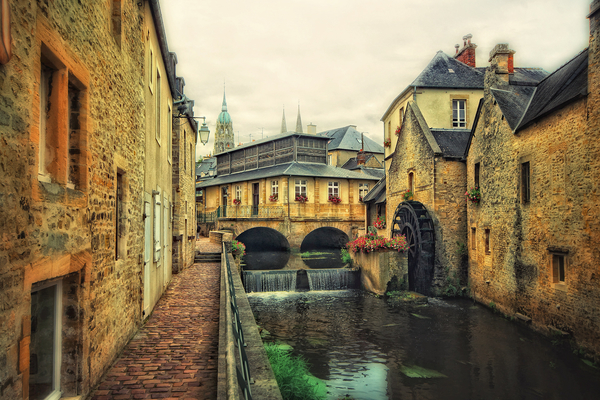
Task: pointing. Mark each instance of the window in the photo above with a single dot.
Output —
(184, 149)
(411, 182)
(169, 134)
(238, 193)
(558, 268)
(476, 173)
(116, 21)
(46, 341)
(525, 183)
(329, 159)
(275, 188)
(389, 129)
(300, 189)
(487, 242)
(334, 189)
(459, 113)
(191, 160)
(120, 216)
(363, 189)
(473, 238)
(401, 116)
(150, 68)
(158, 107)
(157, 231)
(62, 123)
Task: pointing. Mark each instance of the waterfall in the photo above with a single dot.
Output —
(270, 281)
(333, 279)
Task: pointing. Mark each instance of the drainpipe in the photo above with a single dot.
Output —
(288, 197)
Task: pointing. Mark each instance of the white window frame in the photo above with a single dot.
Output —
(458, 106)
(300, 187)
(333, 188)
(363, 189)
(238, 192)
(57, 345)
(275, 188)
(157, 131)
(157, 230)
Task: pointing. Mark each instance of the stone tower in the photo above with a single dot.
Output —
(224, 130)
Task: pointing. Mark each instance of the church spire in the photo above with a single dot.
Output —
(283, 124)
(299, 121)
(224, 107)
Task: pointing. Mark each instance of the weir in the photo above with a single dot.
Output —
(288, 281)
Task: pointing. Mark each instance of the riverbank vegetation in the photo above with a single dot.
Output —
(291, 373)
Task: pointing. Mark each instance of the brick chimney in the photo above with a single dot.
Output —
(360, 157)
(467, 53)
(501, 59)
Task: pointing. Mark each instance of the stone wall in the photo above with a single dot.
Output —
(62, 226)
(381, 271)
(439, 184)
(562, 217)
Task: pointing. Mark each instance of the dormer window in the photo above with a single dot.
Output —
(450, 70)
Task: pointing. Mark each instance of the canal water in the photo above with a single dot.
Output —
(373, 348)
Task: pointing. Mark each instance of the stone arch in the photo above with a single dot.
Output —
(326, 239)
(266, 248)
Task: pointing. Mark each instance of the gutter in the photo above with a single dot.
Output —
(169, 59)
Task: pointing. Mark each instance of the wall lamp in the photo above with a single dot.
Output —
(184, 108)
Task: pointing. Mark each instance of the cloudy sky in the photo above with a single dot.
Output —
(344, 61)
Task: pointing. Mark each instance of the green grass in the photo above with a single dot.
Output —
(293, 378)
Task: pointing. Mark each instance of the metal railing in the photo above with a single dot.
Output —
(243, 370)
(241, 212)
(208, 217)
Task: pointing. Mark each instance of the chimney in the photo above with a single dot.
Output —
(466, 55)
(501, 58)
(311, 129)
(360, 157)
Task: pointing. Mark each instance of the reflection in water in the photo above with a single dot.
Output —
(371, 348)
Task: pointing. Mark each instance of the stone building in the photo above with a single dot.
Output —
(185, 138)
(535, 154)
(431, 119)
(88, 86)
(284, 182)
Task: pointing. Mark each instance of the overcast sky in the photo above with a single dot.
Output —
(344, 61)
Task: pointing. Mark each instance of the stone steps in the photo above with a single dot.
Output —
(207, 257)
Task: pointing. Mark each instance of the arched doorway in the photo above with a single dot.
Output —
(321, 247)
(412, 220)
(266, 249)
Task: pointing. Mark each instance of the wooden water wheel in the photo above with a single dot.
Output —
(412, 220)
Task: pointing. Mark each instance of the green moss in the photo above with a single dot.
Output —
(293, 378)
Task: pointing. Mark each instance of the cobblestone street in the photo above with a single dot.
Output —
(174, 355)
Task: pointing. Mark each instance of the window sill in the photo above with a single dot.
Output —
(44, 178)
(562, 286)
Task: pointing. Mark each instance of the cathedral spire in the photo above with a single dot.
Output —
(283, 124)
(299, 121)
(224, 107)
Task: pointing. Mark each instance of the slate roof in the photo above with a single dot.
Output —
(444, 71)
(348, 138)
(513, 102)
(352, 163)
(288, 169)
(206, 165)
(452, 142)
(377, 194)
(563, 85)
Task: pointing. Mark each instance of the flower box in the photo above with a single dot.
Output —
(387, 143)
(335, 199)
(237, 202)
(273, 198)
(473, 195)
(301, 198)
(379, 224)
(407, 195)
(398, 130)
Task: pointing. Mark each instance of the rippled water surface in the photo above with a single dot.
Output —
(372, 348)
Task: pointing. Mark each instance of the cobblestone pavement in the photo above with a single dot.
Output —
(174, 355)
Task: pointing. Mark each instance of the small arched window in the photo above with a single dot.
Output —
(411, 182)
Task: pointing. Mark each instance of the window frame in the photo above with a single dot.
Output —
(300, 186)
(275, 188)
(363, 190)
(457, 121)
(238, 192)
(525, 181)
(333, 188)
(488, 241)
(157, 130)
(474, 238)
(477, 174)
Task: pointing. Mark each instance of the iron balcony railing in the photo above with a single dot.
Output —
(242, 366)
(242, 212)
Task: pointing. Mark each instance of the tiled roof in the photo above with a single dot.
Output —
(289, 169)
(348, 138)
(563, 85)
(452, 142)
(446, 72)
(352, 163)
(377, 194)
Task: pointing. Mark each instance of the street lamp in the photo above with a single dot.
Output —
(184, 107)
